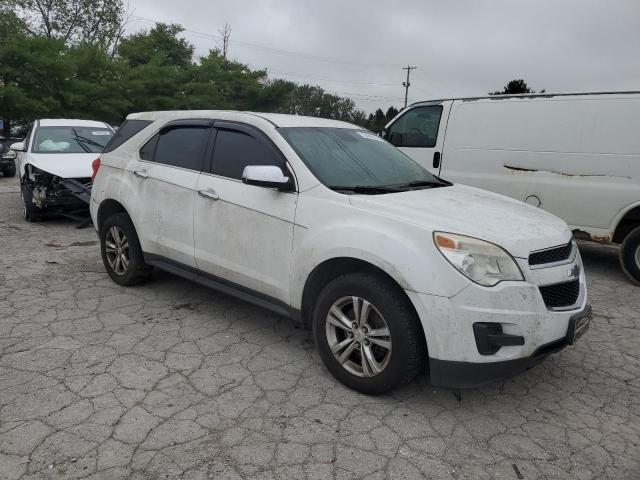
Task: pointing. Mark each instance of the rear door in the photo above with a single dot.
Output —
(419, 132)
(244, 233)
(166, 174)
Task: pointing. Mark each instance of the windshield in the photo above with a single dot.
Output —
(350, 159)
(70, 139)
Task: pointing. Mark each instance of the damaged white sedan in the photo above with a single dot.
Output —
(54, 162)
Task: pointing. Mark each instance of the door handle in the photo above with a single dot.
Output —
(141, 174)
(436, 159)
(209, 193)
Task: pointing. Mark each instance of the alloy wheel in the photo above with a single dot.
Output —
(117, 250)
(358, 336)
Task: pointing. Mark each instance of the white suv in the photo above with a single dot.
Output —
(327, 223)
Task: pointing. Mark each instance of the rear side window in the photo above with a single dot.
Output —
(235, 150)
(148, 150)
(417, 128)
(128, 129)
(181, 147)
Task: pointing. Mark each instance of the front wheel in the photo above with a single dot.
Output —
(30, 212)
(367, 333)
(121, 252)
(630, 255)
(9, 171)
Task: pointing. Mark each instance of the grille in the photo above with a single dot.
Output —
(552, 255)
(561, 294)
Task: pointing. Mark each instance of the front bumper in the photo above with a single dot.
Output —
(452, 374)
(528, 328)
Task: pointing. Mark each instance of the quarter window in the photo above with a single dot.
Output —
(148, 150)
(235, 150)
(179, 147)
(417, 128)
(128, 129)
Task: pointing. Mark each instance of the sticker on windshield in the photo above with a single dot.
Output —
(101, 133)
(370, 136)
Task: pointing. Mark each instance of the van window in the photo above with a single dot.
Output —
(418, 127)
(234, 150)
(182, 147)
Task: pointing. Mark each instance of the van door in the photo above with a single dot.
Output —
(419, 132)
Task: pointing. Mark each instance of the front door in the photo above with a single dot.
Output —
(419, 132)
(244, 233)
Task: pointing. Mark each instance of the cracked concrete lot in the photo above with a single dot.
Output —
(170, 380)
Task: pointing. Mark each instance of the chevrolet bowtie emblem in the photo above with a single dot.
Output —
(574, 272)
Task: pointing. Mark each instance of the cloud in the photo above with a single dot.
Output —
(463, 47)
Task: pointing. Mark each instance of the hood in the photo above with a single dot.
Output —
(64, 165)
(515, 226)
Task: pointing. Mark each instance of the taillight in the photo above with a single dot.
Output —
(95, 165)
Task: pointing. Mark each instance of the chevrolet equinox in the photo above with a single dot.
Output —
(391, 267)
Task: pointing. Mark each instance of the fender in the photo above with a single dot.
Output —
(411, 264)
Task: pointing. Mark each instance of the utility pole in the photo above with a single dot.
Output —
(407, 84)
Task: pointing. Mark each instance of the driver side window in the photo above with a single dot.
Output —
(416, 128)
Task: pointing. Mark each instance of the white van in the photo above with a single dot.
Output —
(574, 155)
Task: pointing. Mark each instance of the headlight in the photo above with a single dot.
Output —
(480, 261)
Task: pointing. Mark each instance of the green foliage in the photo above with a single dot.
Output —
(98, 22)
(314, 101)
(514, 87)
(46, 76)
(160, 46)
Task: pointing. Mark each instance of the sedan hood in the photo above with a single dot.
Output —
(517, 227)
(64, 165)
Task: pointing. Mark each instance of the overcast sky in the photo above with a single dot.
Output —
(357, 48)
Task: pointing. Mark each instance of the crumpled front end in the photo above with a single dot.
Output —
(50, 193)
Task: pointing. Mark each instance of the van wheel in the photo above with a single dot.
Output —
(367, 333)
(630, 255)
(121, 252)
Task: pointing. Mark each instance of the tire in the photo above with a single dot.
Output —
(9, 171)
(30, 212)
(121, 252)
(388, 306)
(630, 255)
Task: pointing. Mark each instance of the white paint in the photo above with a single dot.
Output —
(63, 165)
(579, 154)
(271, 241)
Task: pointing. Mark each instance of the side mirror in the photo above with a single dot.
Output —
(268, 176)
(396, 139)
(18, 147)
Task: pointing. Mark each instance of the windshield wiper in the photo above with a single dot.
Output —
(79, 142)
(89, 141)
(424, 183)
(368, 189)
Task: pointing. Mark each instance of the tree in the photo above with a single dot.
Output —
(514, 87)
(160, 46)
(226, 37)
(314, 101)
(98, 22)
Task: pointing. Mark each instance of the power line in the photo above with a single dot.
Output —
(278, 51)
(326, 79)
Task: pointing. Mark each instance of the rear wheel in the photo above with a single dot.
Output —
(630, 255)
(121, 252)
(367, 333)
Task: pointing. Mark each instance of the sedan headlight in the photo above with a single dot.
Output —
(480, 261)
